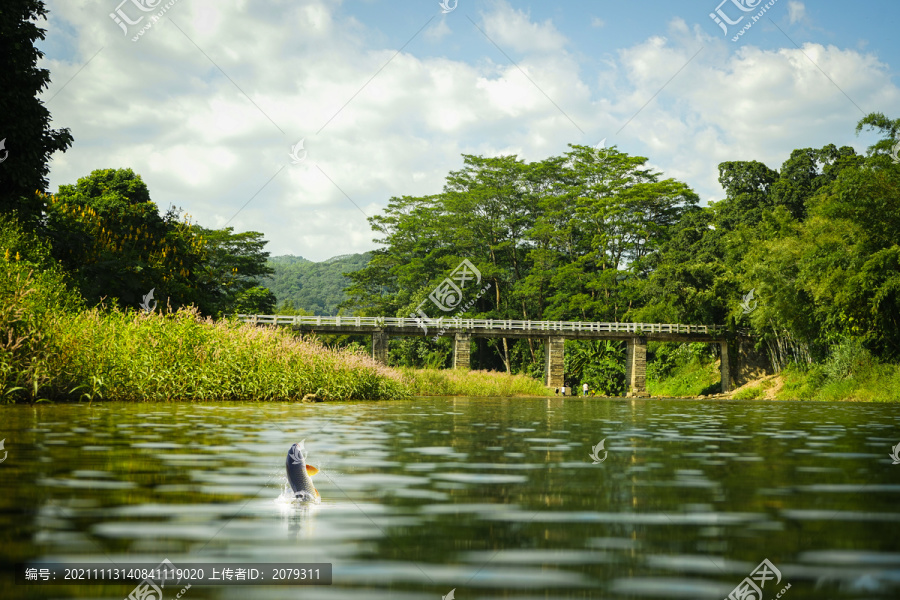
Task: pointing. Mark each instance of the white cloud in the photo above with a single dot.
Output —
(511, 28)
(796, 11)
(438, 32)
(754, 105)
(161, 107)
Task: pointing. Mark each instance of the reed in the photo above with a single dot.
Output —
(52, 348)
(181, 356)
(440, 382)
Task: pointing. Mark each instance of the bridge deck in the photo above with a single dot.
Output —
(491, 327)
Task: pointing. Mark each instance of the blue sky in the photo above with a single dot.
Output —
(208, 103)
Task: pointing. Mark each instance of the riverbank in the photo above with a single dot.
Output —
(94, 355)
(448, 382)
(53, 348)
(850, 375)
(875, 383)
(98, 355)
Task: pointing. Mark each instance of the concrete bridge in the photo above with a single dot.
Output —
(552, 333)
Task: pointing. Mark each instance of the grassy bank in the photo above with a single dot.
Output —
(94, 355)
(877, 383)
(53, 348)
(442, 382)
(849, 373)
(694, 378)
(680, 370)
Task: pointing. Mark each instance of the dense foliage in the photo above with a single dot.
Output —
(595, 236)
(563, 238)
(54, 349)
(109, 236)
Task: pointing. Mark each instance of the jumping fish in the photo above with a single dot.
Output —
(299, 473)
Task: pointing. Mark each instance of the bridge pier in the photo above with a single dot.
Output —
(636, 368)
(554, 350)
(461, 350)
(725, 368)
(380, 346)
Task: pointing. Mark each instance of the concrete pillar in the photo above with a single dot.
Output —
(636, 368)
(461, 350)
(629, 358)
(380, 347)
(554, 349)
(725, 368)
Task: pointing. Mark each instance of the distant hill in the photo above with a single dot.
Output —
(316, 287)
(288, 259)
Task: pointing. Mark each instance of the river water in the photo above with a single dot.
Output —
(490, 498)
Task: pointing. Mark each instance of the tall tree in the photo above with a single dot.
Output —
(110, 237)
(805, 172)
(836, 275)
(556, 239)
(233, 265)
(26, 139)
(746, 185)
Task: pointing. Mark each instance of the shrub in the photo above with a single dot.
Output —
(847, 359)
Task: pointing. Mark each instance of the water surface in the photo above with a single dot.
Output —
(495, 498)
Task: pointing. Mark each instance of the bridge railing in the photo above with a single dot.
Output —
(471, 324)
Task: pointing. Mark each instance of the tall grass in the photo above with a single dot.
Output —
(182, 356)
(97, 355)
(52, 348)
(438, 382)
(875, 382)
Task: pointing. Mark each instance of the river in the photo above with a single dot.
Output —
(489, 498)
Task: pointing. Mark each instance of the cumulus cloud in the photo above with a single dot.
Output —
(207, 105)
(511, 28)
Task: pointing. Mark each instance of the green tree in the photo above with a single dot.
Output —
(690, 281)
(890, 135)
(28, 140)
(599, 363)
(807, 171)
(836, 275)
(561, 238)
(110, 237)
(233, 265)
(255, 300)
(746, 185)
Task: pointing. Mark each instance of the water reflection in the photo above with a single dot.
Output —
(493, 497)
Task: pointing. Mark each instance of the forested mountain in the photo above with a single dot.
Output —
(596, 236)
(316, 288)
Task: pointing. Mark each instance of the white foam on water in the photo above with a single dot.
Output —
(287, 502)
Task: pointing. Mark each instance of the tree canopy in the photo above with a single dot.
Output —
(27, 139)
(596, 236)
